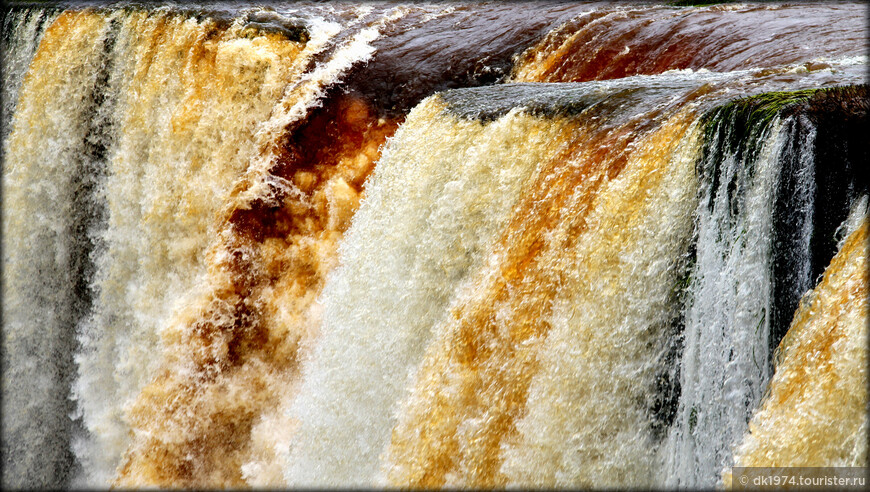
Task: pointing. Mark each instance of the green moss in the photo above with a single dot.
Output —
(739, 129)
(837, 118)
(741, 126)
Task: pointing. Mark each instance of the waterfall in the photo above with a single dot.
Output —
(22, 31)
(453, 197)
(735, 311)
(51, 222)
(472, 383)
(431, 245)
(818, 396)
(724, 366)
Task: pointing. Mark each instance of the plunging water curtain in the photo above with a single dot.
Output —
(307, 244)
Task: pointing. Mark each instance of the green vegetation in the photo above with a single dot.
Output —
(741, 126)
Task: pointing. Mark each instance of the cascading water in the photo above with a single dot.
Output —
(724, 366)
(819, 388)
(465, 245)
(734, 314)
(22, 31)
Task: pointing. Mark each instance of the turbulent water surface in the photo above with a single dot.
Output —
(539, 244)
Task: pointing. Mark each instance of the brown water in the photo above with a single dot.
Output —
(334, 244)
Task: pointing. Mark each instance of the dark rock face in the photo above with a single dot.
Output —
(835, 121)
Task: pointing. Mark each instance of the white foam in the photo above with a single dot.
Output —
(724, 366)
(44, 165)
(442, 189)
(587, 418)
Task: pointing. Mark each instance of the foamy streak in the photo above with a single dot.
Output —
(804, 194)
(269, 438)
(205, 394)
(587, 420)
(24, 28)
(47, 164)
(300, 96)
(311, 87)
(183, 125)
(442, 189)
(724, 365)
(815, 413)
(857, 215)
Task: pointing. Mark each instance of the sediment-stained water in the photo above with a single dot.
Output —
(423, 245)
(815, 413)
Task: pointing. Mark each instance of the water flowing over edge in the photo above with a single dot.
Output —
(196, 299)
